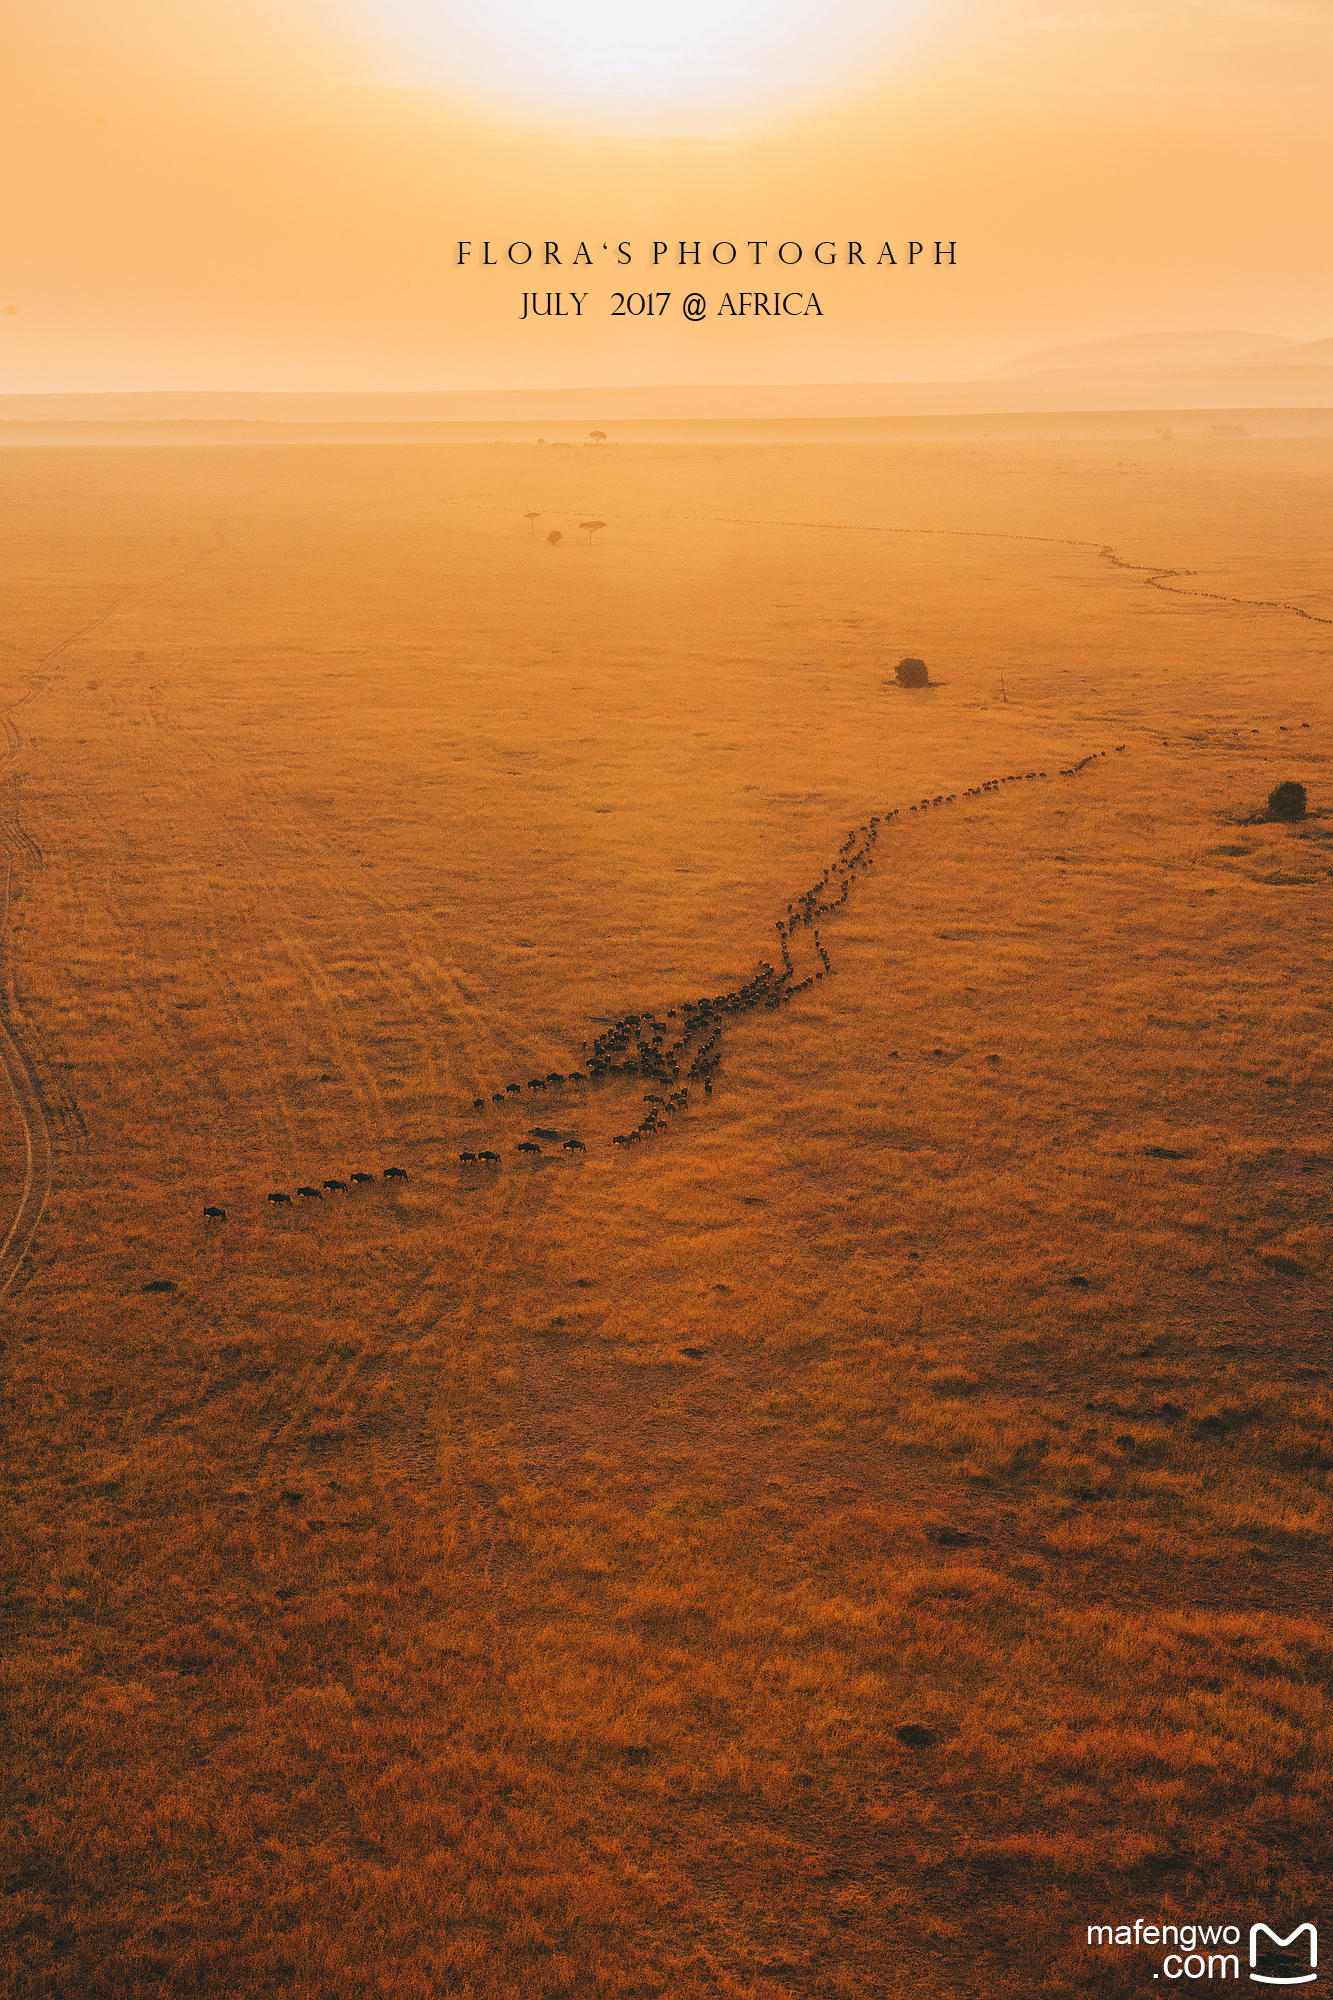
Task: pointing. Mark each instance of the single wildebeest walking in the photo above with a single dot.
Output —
(479, 1104)
(216, 1214)
(395, 1173)
(528, 1146)
(363, 1180)
(468, 1156)
(491, 1159)
(310, 1194)
(336, 1187)
(575, 1146)
(281, 1197)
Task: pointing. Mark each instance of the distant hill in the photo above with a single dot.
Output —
(1140, 371)
(1155, 353)
(1295, 354)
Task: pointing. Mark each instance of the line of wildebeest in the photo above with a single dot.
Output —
(680, 1049)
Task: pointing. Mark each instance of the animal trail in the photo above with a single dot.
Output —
(1154, 573)
(679, 1047)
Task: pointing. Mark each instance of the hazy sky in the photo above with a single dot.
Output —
(270, 193)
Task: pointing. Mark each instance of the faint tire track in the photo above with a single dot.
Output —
(37, 1141)
(37, 1177)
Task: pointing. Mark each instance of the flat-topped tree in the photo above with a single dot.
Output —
(592, 527)
(532, 517)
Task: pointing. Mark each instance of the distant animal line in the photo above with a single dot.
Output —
(645, 1044)
(1152, 572)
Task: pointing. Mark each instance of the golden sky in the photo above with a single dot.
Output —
(270, 193)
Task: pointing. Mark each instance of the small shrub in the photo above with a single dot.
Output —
(912, 674)
(1287, 801)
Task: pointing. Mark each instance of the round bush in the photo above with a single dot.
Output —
(1287, 801)
(912, 674)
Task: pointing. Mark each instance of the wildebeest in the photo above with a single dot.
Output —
(310, 1193)
(468, 1156)
(554, 1076)
(514, 1089)
(216, 1214)
(395, 1173)
(281, 1197)
(479, 1104)
(528, 1146)
(363, 1180)
(575, 1146)
(577, 1076)
(497, 1097)
(491, 1159)
(536, 1083)
(336, 1187)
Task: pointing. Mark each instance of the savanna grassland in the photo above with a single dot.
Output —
(746, 1563)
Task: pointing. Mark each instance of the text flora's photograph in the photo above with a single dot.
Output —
(665, 1163)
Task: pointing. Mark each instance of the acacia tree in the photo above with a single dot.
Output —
(592, 527)
(598, 437)
(532, 517)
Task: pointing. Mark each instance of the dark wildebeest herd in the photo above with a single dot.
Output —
(679, 1049)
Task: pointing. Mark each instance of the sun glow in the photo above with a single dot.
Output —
(695, 65)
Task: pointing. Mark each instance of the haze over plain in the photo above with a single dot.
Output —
(271, 197)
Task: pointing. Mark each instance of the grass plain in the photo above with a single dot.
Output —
(748, 1565)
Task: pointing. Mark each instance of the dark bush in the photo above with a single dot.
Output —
(912, 674)
(1287, 801)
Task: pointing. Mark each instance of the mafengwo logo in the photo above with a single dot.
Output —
(1209, 1951)
(1266, 1941)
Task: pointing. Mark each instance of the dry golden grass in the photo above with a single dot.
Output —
(516, 1585)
